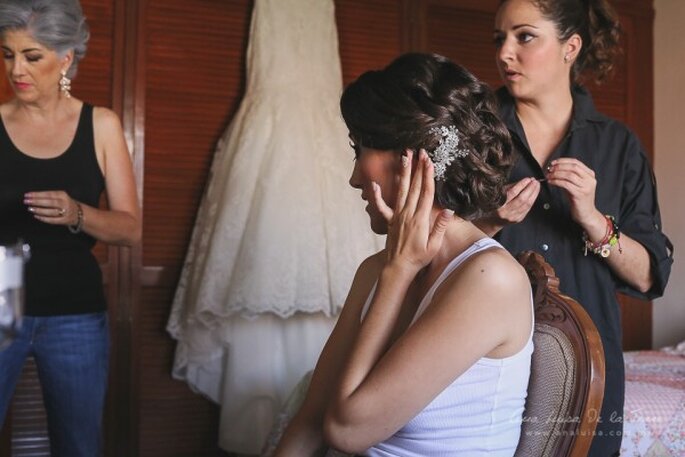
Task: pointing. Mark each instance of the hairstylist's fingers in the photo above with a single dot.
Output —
(529, 193)
(380, 204)
(518, 187)
(517, 207)
(571, 162)
(572, 185)
(427, 196)
(405, 180)
(568, 166)
(416, 184)
(567, 181)
(573, 177)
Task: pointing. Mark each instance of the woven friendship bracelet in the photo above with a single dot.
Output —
(602, 248)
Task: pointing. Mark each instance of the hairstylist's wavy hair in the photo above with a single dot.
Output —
(56, 24)
(396, 108)
(596, 22)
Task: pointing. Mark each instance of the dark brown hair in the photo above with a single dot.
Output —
(596, 22)
(396, 108)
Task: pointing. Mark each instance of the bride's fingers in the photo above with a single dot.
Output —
(426, 197)
(405, 180)
(380, 204)
(416, 185)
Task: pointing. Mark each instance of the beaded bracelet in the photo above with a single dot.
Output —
(76, 228)
(611, 238)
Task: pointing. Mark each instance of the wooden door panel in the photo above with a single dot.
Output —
(193, 83)
(462, 31)
(370, 34)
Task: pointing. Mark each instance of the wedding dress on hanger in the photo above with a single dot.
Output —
(279, 232)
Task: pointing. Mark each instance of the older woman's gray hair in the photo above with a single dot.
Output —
(56, 24)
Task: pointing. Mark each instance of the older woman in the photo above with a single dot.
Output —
(57, 155)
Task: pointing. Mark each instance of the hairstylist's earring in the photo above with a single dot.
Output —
(65, 84)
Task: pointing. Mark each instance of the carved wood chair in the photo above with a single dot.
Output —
(566, 386)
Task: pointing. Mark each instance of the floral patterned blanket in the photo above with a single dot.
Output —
(654, 412)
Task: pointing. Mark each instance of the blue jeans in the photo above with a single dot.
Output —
(71, 354)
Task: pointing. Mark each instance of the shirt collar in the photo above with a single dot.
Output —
(584, 110)
(507, 111)
(507, 108)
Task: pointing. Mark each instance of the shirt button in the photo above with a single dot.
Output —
(544, 247)
(546, 206)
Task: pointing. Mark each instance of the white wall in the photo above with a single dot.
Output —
(669, 149)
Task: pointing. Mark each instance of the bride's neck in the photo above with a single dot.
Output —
(459, 236)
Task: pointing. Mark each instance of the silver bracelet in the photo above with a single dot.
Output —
(76, 228)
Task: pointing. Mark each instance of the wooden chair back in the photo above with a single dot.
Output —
(566, 385)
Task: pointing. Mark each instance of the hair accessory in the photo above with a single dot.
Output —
(447, 150)
(65, 84)
(611, 238)
(76, 228)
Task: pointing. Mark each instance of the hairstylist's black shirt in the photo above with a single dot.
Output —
(626, 189)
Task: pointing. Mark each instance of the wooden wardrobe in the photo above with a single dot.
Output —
(174, 71)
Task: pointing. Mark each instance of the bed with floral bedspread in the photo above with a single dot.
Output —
(654, 412)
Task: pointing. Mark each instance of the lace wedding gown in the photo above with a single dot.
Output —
(279, 232)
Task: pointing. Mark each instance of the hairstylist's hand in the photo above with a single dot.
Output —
(52, 207)
(520, 198)
(412, 240)
(579, 183)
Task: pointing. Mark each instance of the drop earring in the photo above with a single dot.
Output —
(65, 84)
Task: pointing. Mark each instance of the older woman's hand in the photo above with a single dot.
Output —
(52, 207)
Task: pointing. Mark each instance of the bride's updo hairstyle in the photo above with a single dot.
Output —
(410, 102)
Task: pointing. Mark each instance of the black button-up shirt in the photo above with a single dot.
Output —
(626, 189)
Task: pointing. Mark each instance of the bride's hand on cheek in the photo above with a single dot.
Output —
(412, 239)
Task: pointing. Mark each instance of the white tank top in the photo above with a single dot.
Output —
(480, 413)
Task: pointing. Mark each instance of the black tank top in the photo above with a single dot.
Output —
(62, 276)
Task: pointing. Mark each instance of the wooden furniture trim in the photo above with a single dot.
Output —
(563, 312)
